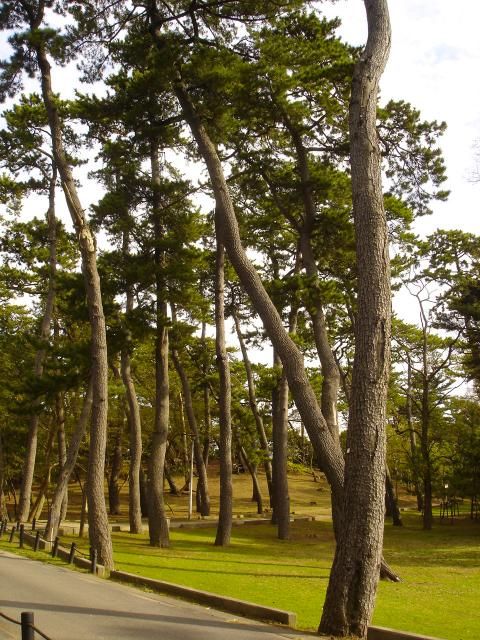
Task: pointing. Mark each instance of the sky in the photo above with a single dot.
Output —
(434, 64)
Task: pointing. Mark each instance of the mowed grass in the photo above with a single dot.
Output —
(438, 595)
(440, 570)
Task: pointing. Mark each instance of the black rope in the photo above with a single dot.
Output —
(2, 615)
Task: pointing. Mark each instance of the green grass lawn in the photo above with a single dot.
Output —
(438, 595)
(440, 569)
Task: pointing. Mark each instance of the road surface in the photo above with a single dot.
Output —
(69, 605)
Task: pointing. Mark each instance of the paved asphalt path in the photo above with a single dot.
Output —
(69, 605)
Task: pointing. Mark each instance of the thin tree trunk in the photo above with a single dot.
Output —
(392, 509)
(224, 528)
(281, 501)
(134, 418)
(143, 493)
(257, 492)
(62, 446)
(330, 371)
(3, 504)
(186, 462)
(157, 519)
(206, 401)
(355, 572)
(202, 486)
(37, 508)
(252, 398)
(32, 438)
(115, 471)
(327, 448)
(83, 512)
(99, 531)
(413, 439)
(55, 513)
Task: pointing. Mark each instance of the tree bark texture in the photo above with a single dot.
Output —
(32, 437)
(281, 500)
(224, 528)
(327, 448)
(99, 532)
(157, 519)
(355, 572)
(55, 512)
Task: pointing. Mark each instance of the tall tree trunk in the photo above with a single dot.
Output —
(186, 462)
(62, 446)
(202, 486)
(413, 439)
(252, 398)
(55, 513)
(224, 528)
(157, 519)
(392, 509)
(143, 493)
(134, 418)
(37, 508)
(257, 492)
(330, 371)
(281, 500)
(3, 504)
(115, 471)
(327, 448)
(32, 437)
(99, 531)
(206, 400)
(353, 580)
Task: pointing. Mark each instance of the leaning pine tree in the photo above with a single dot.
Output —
(31, 48)
(356, 568)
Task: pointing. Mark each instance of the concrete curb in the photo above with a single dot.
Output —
(241, 607)
(44, 545)
(382, 633)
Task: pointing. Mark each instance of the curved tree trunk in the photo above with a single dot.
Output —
(330, 371)
(157, 519)
(99, 532)
(55, 512)
(252, 398)
(326, 447)
(32, 438)
(224, 528)
(353, 580)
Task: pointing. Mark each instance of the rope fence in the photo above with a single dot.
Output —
(27, 624)
(33, 538)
